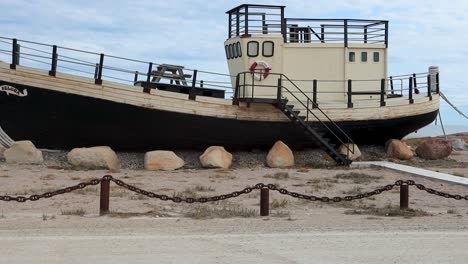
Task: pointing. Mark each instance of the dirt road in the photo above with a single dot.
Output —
(309, 247)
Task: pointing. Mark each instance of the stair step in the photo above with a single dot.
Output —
(290, 106)
(296, 112)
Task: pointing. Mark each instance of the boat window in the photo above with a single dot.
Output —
(239, 49)
(252, 48)
(233, 50)
(226, 48)
(376, 56)
(352, 57)
(364, 56)
(268, 48)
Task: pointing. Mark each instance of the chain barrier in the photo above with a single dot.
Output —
(234, 194)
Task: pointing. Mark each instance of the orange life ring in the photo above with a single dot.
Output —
(253, 69)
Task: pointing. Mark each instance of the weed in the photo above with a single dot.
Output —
(2, 216)
(75, 178)
(354, 190)
(278, 176)
(201, 188)
(139, 197)
(227, 210)
(275, 204)
(358, 178)
(5, 176)
(77, 212)
(321, 184)
(87, 190)
(452, 211)
(459, 174)
(281, 214)
(390, 211)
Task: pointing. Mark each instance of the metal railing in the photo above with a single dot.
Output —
(262, 187)
(101, 67)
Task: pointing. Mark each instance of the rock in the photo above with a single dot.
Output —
(94, 158)
(433, 149)
(352, 156)
(280, 156)
(23, 152)
(2, 150)
(457, 144)
(398, 150)
(216, 157)
(163, 160)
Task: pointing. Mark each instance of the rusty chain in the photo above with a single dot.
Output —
(234, 194)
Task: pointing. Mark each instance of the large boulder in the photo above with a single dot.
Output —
(94, 158)
(23, 152)
(458, 144)
(216, 157)
(162, 160)
(352, 147)
(434, 149)
(280, 156)
(397, 149)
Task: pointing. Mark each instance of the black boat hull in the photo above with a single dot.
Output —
(57, 120)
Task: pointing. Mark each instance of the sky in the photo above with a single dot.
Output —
(191, 33)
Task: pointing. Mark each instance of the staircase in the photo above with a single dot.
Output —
(319, 132)
(318, 136)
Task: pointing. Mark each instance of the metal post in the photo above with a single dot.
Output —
(411, 90)
(278, 92)
(382, 92)
(308, 109)
(17, 53)
(230, 25)
(386, 34)
(391, 85)
(96, 71)
(365, 34)
(99, 75)
(53, 68)
(136, 77)
(404, 196)
(237, 23)
(350, 91)
(429, 93)
(314, 95)
(322, 33)
(13, 54)
(264, 25)
(246, 18)
(235, 100)
(104, 197)
(146, 87)
(192, 94)
(264, 202)
(346, 32)
(201, 84)
(416, 90)
(283, 25)
(437, 83)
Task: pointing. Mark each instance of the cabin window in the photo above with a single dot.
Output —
(239, 49)
(268, 48)
(234, 50)
(376, 56)
(227, 52)
(352, 57)
(252, 48)
(231, 50)
(363, 56)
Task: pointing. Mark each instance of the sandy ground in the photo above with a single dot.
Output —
(57, 230)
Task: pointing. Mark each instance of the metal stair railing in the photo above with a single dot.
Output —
(349, 142)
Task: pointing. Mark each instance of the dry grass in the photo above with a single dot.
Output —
(278, 176)
(152, 213)
(201, 188)
(318, 184)
(358, 178)
(281, 214)
(226, 210)
(460, 174)
(275, 204)
(76, 212)
(87, 190)
(390, 211)
(452, 211)
(353, 191)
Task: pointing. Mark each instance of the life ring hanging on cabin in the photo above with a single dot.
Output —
(266, 68)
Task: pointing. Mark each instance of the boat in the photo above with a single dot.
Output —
(308, 82)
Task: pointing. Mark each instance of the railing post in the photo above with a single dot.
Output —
(279, 90)
(415, 81)
(283, 26)
(96, 71)
(386, 34)
(135, 79)
(14, 54)
(53, 68)
(322, 33)
(429, 93)
(246, 18)
(350, 92)
(307, 111)
(237, 23)
(98, 80)
(382, 92)
(411, 90)
(346, 32)
(104, 197)
(201, 84)
(264, 202)
(235, 100)
(437, 83)
(192, 94)
(146, 87)
(391, 85)
(365, 34)
(404, 196)
(314, 95)
(230, 25)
